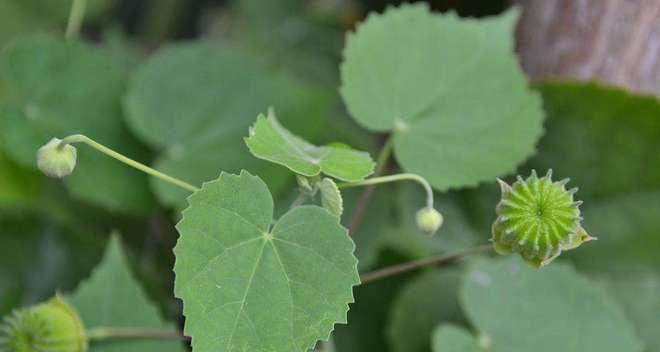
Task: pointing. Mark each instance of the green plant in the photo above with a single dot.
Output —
(259, 268)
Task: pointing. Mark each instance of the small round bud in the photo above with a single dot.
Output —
(50, 326)
(55, 161)
(538, 219)
(429, 220)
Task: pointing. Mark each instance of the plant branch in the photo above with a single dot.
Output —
(76, 16)
(79, 138)
(394, 178)
(365, 196)
(106, 333)
(422, 263)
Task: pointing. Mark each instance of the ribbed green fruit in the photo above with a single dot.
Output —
(538, 219)
(52, 326)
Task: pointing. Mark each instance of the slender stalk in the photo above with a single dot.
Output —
(76, 16)
(106, 333)
(363, 200)
(79, 138)
(384, 156)
(394, 178)
(300, 199)
(422, 263)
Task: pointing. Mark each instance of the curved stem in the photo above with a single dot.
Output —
(393, 178)
(363, 200)
(76, 16)
(418, 264)
(105, 333)
(79, 138)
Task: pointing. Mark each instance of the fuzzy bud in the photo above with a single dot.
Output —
(429, 220)
(55, 161)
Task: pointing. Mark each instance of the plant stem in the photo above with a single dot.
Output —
(105, 333)
(79, 138)
(363, 200)
(393, 178)
(418, 264)
(76, 16)
(300, 199)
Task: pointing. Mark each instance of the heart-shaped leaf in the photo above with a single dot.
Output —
(193, 101)
(449, 89)
(249, 287)
(270, 141)
(112, 298)
(553, 309)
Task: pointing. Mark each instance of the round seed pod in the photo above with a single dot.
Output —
(52, 326)
(55, 161)
(538, 219)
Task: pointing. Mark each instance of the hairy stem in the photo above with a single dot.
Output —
(300, 199)
(422, 263)
(365, 196)
(79, 138)
(105, 333)
(394, 178)
(76, 16)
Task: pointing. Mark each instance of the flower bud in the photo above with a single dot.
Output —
(538, 219)
(55, 161)
(429, 220)
(50, 326)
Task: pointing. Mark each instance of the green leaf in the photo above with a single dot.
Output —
(639, 295)
(588, 122)
(452, 338)
(627, 228)
(553, 309)
(247, 286)
(113, 298)
(18, 186)
(426, 301)
(38, 257)
(270, 141)
(448, 89)
(57, 88)
(193, 101)
(331, 197)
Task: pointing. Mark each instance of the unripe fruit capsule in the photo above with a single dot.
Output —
(538, 219)
(50, 326)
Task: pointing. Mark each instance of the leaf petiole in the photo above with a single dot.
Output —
(79, 138)
(76, 16)
(105, 333)
(394, 178)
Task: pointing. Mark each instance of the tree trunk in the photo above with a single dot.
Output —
(612, 41)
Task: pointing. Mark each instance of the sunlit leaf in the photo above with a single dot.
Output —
(270, 141)
(449, 89)
(248, 286)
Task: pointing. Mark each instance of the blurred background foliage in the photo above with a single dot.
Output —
(176, 83)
